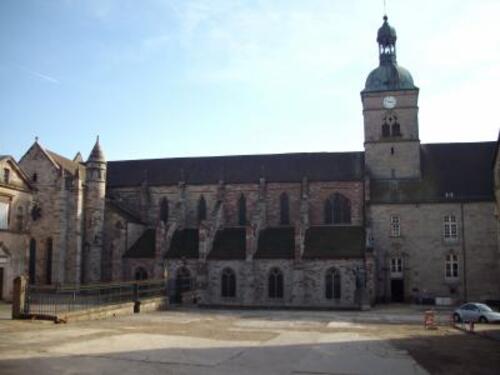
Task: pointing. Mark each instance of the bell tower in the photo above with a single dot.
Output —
(390, 112)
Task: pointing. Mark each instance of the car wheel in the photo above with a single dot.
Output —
(482, 319)
(456, 318)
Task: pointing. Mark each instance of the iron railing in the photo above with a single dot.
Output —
(54, 300)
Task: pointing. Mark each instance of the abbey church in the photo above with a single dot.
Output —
(401, 221)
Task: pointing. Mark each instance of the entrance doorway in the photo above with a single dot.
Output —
(182, 283)
(397, 290)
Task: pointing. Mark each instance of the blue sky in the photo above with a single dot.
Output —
(163, 78)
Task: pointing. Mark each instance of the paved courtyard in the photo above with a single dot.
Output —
(242, 342)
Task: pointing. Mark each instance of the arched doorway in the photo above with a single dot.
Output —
(183, 283)
(141, 274)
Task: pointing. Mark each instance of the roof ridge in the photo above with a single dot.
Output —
(240, 156)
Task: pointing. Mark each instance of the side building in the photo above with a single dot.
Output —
(15, 205)
(430, 208)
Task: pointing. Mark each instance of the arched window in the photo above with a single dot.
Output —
(328, 212)
(386, 132)
(333, 284)
(164, 210)
(341, 209)
(202, 209)
(32, 261)
(242, 210)
(48, 269)
(228, 283)
(396, 129)
(141, 274)
(275, 283)
(20, 219)
(284, 209)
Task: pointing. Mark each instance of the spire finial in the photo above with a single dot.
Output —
(36, 138)
(97, 140)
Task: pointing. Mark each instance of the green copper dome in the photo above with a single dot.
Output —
(389, 75)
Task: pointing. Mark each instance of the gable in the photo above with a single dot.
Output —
(17, 177)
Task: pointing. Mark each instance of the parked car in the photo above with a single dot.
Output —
(476, 312)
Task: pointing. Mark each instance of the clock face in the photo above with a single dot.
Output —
(389, 102)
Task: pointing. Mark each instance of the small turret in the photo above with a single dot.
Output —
(95, 191)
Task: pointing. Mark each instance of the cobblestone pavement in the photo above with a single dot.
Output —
(237, 342)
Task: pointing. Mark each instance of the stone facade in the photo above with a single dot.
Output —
(400, 221)
(15, 198)
(423, 249)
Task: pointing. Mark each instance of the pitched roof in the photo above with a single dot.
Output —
(229, 243)
(328, 242)
(276, 243)
(342, 166)
(144, 247)
(20, 172)
(122, 209)
(184, 244)
(68, 165)
(463, 169)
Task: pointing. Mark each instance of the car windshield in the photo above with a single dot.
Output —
(483, 307)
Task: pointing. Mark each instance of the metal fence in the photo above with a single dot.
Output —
(51, 301)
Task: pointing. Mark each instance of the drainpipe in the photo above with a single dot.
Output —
(464, 250)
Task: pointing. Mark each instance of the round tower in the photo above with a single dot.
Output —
(95, 191)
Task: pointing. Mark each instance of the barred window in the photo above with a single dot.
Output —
(395, 226)
(450, 228)
(451, 266)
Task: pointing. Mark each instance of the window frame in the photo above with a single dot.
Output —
(333, 284)
(8, 204)
(395, 226)
(450, 228)
(275, 284)
(228, 283)
(396, 267)
(451, 267)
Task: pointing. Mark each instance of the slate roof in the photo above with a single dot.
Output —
(464, 169)
(327, 242)
(229, 243)
(276, 243)
(144, 247)
(68, 165)
(342, 166)
(125, 211)
(184, 244)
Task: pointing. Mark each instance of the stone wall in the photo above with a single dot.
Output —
(423, 249)
(304, 282)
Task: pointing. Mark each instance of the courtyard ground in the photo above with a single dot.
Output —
(386, 340)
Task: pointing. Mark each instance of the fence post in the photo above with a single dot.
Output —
(19, 297)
